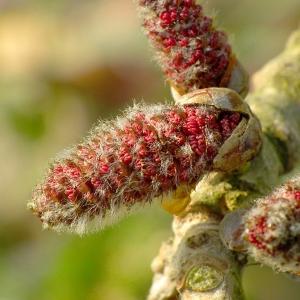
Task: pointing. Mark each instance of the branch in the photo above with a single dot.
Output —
(196, 272)
(194, 263)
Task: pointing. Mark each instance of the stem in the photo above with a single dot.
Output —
(194, 263)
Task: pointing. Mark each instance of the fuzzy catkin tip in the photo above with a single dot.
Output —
(191, 51)
(126, 162)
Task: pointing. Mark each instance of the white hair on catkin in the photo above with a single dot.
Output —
(127, 162)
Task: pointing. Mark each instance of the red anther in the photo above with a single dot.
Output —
(58, 170)
(95, 182)
(156, 158)
(150, 137)
(70, 193)
(184, 14)
(296, 194)
(169, 42)
(130, 139)
(198, 54)
(261, 225)
(184, 33)
(104, 168)
(192, 32)
(126, 158)
(174, 117)
(139, 163)
(235, 118)
(183, 42)
(192, 125)
(252, 238)
(225, 127)
(171, 172)
(74, 171)
(173, 15)
(142, 152)
(165, 18)
(137, 127)
(212, 121)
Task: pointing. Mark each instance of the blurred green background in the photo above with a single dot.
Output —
(64, 64)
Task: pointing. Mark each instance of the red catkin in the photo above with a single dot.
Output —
(129, 161)
(272, 229)
(191, 52)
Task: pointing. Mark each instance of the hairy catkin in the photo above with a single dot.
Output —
(272, 229)
(191, 52)
(126, 162)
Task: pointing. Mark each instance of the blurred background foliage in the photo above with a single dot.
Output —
(63, 65)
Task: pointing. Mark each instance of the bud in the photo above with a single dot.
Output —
(270, 230)
(191, 51)
(126, 162)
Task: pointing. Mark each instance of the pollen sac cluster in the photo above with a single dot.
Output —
(126, 162)
(191, 52)
(272, 229)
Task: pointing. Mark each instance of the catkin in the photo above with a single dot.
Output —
(272, 229)
(127, 162)
(191, 51)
